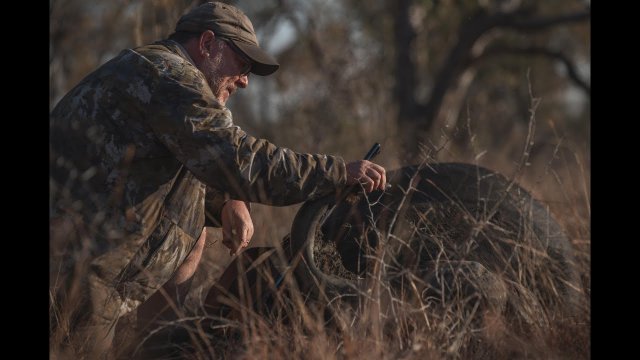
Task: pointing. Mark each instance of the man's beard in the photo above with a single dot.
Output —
(211, 71)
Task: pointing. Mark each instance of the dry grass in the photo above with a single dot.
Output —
(389, 321)
(386, 323)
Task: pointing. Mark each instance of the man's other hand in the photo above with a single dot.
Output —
(237, 226)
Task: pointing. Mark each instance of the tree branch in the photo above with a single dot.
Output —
(540, 23)
(404, 35)
(480, 23)
(543, 51)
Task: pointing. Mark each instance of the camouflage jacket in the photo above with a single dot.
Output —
(141, 144)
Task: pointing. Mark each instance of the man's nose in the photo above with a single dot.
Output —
(243, 81)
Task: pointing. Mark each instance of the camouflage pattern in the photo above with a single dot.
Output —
(137, 149)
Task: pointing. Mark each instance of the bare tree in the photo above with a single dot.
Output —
(457, 69)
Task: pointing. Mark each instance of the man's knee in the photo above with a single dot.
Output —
(190, 264)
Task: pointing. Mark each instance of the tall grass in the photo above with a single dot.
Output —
(385, 322)
(413, 321)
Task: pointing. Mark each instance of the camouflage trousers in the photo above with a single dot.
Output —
(95, 280)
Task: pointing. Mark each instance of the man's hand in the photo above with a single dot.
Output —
(237, 226)
(370, 175)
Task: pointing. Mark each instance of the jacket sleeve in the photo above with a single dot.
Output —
(214, 200)
(200, 133)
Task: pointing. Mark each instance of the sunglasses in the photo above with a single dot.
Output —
(246, 68)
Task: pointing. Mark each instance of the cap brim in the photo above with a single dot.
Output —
(263, 63)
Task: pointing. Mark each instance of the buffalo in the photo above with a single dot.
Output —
(448, 238)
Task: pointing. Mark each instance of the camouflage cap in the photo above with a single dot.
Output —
(229, 22)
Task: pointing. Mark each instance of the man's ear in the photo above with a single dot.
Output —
(206, 42)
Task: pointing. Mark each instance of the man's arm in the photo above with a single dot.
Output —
(214, 200)
(184, 115)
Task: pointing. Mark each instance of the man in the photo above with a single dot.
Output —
(144, 154)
